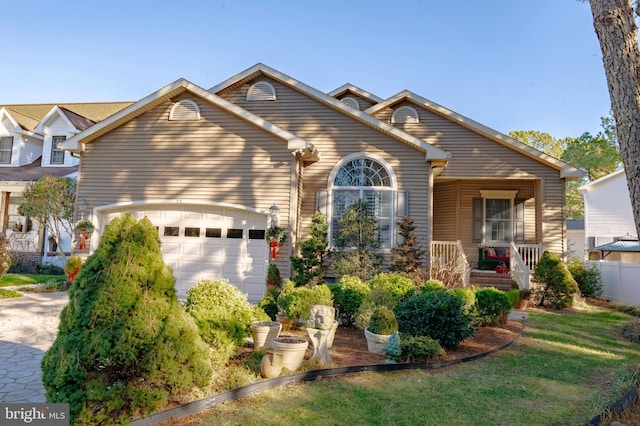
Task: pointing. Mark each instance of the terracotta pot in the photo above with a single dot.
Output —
(376, 342)
(292, 349)
(263, 332)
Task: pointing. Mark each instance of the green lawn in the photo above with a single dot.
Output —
(567, 368)
(25, 279)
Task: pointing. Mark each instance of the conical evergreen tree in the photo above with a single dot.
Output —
(407, 256)
(313, 253)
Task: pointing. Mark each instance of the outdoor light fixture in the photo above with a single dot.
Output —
(273, 213)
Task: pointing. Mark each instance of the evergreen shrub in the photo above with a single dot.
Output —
(492, 306)
(440, 315)
(558, 286)
(420, 349)
(383, 321)
(588, 278)
(124, 345)
(348, 296)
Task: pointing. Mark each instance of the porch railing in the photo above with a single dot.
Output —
(519, 270)
(448, 257)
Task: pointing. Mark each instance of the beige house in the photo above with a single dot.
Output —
(213, 168)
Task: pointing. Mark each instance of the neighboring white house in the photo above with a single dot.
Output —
(576, 239)
(30, 148)
(607, 211)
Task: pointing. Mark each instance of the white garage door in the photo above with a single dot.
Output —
(204, 242)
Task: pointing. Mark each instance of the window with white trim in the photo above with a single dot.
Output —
(6, 147)
(261, 91)
(364, 178)
(185, 110)
(498, 217)
(57, 153)
(405, 115)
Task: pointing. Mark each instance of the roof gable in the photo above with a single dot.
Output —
(6, 116)
(294, 143)
(603, 180)
(432, 153)
(55, 113)
(350, 88)
(566, 170)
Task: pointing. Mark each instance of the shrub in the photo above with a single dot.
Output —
(631, 331)
(124, 345)
(297, 301)
(50, 269)
(223, 315)
(432, 285)
(514, 295)
(408, 255)
(420, 349)
(379, 296)
(396, 283)
(357, 242)
(468, 296)
(5, 258)
(310, 265)
(588, 278)
(492, 306)
(348, 296)
(383, 321)
(440, 315)
(558, 287)
(273, 275)
(269, 302)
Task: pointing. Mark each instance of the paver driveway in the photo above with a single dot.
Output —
(28, 327)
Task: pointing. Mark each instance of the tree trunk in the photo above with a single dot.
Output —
(617, 32)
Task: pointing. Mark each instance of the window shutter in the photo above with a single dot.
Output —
(519, 220)
(322, 203)
(477, 220)
(402, 204)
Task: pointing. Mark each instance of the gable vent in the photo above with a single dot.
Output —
(185, 110)
(261, 91)
(352, 102)
(406, 115)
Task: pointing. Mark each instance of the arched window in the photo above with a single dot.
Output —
(261, 91)
(364, 177)
(351, 101)
(406, 115)
(185, 110)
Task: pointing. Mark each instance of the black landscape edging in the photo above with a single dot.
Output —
(617, 407)
(307, 376)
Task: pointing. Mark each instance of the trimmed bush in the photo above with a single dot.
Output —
(269, 302)
(296, 302)
(558, 286)
(432, 285)
(348, 296)
(438, 314)
(492, 306)
(223, 315)
(124, 345)
(383, 321)
(588, 278)
(468, 296)
(420, 349)
(396, 283)
(514, 295)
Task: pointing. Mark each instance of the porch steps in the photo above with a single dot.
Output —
(490, 279)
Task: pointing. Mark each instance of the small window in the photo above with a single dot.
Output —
(406, 115)
(351, 101)
(213, 233)
(185, 110)
(261, 91)
(234, 233)
(6, 146)
(57, 153)
(256, 234)
(191, 232)
(171, 231)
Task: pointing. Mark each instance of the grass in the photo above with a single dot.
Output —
(567, 368)
(25, 279)
(9, 294)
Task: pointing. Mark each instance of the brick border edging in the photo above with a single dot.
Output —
(307, 376)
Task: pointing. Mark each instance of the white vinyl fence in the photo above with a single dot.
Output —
(621, 281)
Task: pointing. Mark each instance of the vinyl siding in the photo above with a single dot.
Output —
(474, 156)
(363, 103)
(220, 158)
(336, 135)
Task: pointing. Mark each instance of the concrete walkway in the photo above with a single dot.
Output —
(28, 327)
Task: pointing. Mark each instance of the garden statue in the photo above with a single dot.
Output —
(318, 328)
(393, 349)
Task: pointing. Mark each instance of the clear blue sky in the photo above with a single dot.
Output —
(509, 64)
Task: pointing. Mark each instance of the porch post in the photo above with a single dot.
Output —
(429, 220)
(4, 210)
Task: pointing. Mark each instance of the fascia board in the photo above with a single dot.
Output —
(348, 87)
(432, 153)
(588, 186)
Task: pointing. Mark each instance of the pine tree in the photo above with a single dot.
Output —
(407, 256)
(313, 252)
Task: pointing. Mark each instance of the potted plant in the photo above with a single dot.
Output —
(381, 326)
(275, 235)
